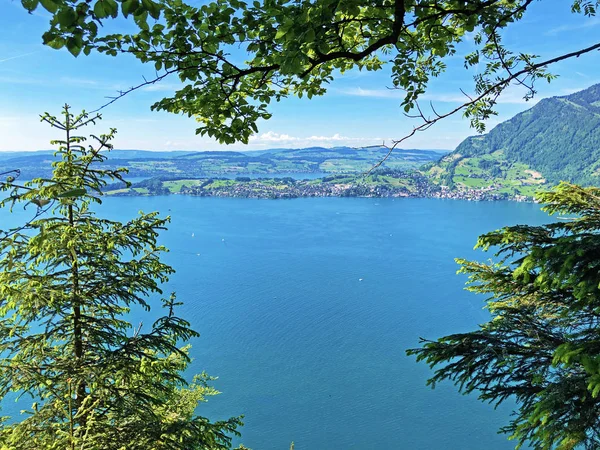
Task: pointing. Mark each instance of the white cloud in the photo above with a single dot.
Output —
(374, 93)
(271, 138)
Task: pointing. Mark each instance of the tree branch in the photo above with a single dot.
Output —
(502, 84)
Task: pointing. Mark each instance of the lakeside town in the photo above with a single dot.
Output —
(380, 184)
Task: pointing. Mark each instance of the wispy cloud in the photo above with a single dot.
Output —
(271, 138)
(9, 120)
(162, 87)
(90, 83)
(10, 58)
(510, 96)
(398, 94)
(22, 80)
(576, 26)
(65, 81)
(354, 74)
(373, 93)
(80, 82)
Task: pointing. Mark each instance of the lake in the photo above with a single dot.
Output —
(306, 307)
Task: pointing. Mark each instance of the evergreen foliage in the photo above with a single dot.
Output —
(541, 346)
(68, 280)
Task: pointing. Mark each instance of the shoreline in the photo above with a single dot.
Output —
(387, 184)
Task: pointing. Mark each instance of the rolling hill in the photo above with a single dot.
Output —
(146, 164)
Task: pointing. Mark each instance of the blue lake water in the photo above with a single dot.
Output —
(302, 347)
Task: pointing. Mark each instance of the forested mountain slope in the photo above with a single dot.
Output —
(557, 139)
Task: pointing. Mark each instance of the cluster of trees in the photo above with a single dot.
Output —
(155, 186)
(491, 166)
(68, 277)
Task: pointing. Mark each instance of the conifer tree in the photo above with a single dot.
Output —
(542, 345)
(68, 280)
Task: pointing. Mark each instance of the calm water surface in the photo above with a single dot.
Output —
(306, 350)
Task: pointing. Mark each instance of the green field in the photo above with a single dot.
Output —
(491, 171)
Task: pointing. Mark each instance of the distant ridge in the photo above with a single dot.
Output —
(137, 153)
(186, 164)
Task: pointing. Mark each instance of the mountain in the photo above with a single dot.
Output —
(556, 140)
(171, 165)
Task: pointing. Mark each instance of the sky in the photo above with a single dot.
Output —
(358, 110)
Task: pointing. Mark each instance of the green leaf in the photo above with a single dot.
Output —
(129, 6)
(49, 5)
(152, 8)
(310, 35)
(99, 10)
(72, 193)
(111, 8)
(66, 17)
(30, 5)
(57, 43)
(280, 33)
(141, 20)
(74, 45)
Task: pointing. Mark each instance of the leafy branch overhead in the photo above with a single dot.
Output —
(234, 57)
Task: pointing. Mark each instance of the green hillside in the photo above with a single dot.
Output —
(145, 164)
(558, 139)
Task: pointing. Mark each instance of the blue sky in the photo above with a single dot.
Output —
(358, 110)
